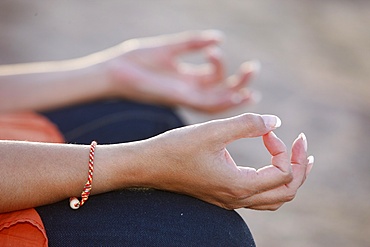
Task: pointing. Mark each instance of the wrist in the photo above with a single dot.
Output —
(120, 166)
(115, 69)
(97, 76)
(102, 68)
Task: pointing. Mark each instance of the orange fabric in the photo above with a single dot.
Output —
(25, 227)
(22, 228)
(28, 126)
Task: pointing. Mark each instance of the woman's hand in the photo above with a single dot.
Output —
(146, 70)
(149, 70)
(193, 160)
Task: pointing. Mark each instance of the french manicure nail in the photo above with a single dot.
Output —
(253, 66)
(304, 139)
(310, 164)
(271, 121)
(311, 160)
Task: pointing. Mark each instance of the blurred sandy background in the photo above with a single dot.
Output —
(315, 75)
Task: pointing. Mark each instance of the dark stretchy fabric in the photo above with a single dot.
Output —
(113, 122)
(134, 217)
(143, 218)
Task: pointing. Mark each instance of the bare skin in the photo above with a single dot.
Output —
(34, 174)
(146, 70)
(192, 160)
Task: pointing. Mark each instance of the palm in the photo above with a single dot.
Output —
(196, 162)
(153, 73)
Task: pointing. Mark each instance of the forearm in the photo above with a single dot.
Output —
(34, 174)
(48, 85)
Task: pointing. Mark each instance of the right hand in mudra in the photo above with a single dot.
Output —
(194, 160)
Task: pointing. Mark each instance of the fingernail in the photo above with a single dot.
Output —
(310, 165)
(271, 121)
(214, 51)
(253, 66)
(273, 134)
(311, 160)
(304, 139)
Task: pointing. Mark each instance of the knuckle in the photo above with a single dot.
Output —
(227, 206)
(290, 196)
(230, 207)
(288, 177)
(233, 199)
(235, 196)
(240, 193)
(253, 123)
(275, 207)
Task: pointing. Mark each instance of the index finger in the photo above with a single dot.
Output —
(275, 175)
(193, 40)
(278, 150)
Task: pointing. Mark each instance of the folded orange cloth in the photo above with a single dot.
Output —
(25, 227)
(22, 228)
(28, 126)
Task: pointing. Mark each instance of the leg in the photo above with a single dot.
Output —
(113, 121)
(135, 217)
(144, 218)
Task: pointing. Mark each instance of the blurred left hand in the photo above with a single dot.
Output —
(149, 70)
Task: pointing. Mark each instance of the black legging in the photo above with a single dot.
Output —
(134, 217)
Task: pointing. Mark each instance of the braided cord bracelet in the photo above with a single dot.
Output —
(74, 203)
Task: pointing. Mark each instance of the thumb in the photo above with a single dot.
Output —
(243, 126)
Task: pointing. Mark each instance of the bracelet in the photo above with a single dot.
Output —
(74, 203)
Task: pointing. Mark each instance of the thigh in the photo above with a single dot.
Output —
(134, 217)
(144, 218)
(113, 121)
